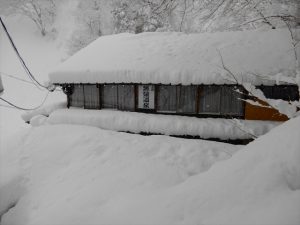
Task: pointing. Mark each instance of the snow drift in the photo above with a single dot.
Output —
(134, 122)
(67, 173)
(45, 110)
(83, 175)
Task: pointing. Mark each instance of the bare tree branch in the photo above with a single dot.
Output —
(225, 68)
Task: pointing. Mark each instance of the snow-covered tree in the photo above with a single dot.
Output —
(138, 16)
(224, 15)
(89, 24)
(90, 16)
(41, 12)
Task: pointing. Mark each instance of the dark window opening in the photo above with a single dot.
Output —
(77, 97)
(126, 98)
(210, 99)
(231, 101)
(186, 99)
(166, 99)
(284, 92)
(91, 97)
(109, 96)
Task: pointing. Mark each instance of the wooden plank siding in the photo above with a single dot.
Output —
(248, 111)
(285, 92)
(253, 112)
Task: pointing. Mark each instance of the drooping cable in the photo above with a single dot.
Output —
(17, 78)
(20, 57)
(31, 77)
(22, 80)
(22, 108)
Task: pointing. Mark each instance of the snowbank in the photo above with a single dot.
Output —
(11, 188)
(259, 185)
(44, 110)
(177, 58)
(84, 175)
(67, 173)
(162, 124)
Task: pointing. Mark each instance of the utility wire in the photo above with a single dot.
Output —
(32, 78)
(20, 57)
(16, 78)
(22, 80)
(22, 108)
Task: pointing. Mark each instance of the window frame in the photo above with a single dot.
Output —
(291, 90)
(71, 103)
(103, 97)
(179, 88)
(133, 106)
(158, 91)
(233, 114)
(97, 93)
(201, 88)
(126, 108)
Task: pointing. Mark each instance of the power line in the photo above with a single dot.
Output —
(31, 77)
(16, 78)
(35, 81)
(22, 80)
(22, 108)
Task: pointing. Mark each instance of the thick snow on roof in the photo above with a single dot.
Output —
(179, 58)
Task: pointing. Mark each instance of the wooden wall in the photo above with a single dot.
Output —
(248, 111)
(253, 112)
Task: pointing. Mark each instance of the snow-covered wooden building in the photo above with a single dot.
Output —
(176, 73)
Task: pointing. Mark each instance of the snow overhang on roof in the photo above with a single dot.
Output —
(177, 58)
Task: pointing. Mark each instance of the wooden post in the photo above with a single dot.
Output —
(136, 100)
(199, 89)
(155, 96)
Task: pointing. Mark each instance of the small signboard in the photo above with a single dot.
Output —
(146, 97)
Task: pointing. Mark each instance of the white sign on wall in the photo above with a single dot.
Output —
(146, 96)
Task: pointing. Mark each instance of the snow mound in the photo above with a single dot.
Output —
(38, 120)
(84, 175)
(163, 124)
(177, 58)
(68, 173)
(45, 110)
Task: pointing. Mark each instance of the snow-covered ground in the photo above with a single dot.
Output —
(70, 174)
